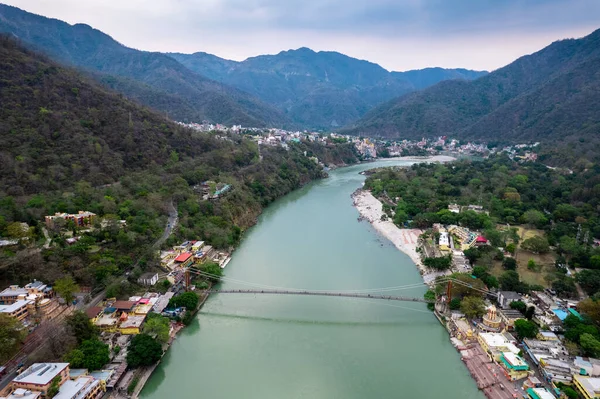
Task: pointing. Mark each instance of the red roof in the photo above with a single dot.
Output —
(93, 311)
(183, 257)
(123, 305)
(481, 239)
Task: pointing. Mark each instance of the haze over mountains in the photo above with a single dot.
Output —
(298, 88)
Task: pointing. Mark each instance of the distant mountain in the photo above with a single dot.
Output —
(551, 95)
(317, 89)
(152, 78)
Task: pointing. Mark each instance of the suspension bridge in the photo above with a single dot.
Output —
(372, 293)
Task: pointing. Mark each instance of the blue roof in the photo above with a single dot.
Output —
(561, 314)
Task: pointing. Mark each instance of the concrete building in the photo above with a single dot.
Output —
(131, 325)
(84, 387)
(509, 316)
(588, 387)
(505, 298)
(454, 208)
(18, 310)
(38, 377)
(491, 320)
(21, 393)
(148, 278)
(514, 366)
(444, 241)
(496, 343)
(184, 260)
(540, 393)
(81, 219)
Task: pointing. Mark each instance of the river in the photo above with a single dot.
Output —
(265, 346)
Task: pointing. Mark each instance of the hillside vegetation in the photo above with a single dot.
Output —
(549, 96)
(68, 144)
(151, 78)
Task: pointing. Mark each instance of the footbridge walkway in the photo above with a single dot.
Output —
(322, 293)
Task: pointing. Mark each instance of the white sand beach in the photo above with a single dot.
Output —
(370, 208)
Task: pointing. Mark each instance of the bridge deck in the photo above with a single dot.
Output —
(323, 293)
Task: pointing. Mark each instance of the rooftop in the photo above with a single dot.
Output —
(540, 393)
(183, 257)
(13, 290)
(123, 305)
(102, 375)
(93, 311)
(15, 306)
(591, 385)
(133, 322)
(21, 393)
(40, 373)
(76, 389)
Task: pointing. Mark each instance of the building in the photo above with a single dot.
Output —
(454, 208)
(514, 366)
(184, 260)
(130, 325)
(589, 387)
(81, 219)
(547, 336)
(505, 298)
(491, 320)
(496, 343)
(148, 278)
(21, 393)
(540, 393)
(84, 387)
(38, 377)
(509, 316)
(123, 306)
(444, 241)
(18, 310)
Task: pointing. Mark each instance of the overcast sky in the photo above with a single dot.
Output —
(397, 34)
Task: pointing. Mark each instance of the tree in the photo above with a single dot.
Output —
(54, 387)
(509, 263)
(472, 307)
(92, 354)
(531, 265)
(158, 326)
(188, 300)
(534, 218)
(143, 351)
(439, 263)
(454, 304)
(214, 270)
(570, 392)
(590, 345)
(510, 281)
(511, 248)
(12, 335)
(519, 305)
(66, 287)
(430, 296)
(589, 280)
(536, 244)
(525, 328)
(530, 312)
(82, 327)
(591, 308)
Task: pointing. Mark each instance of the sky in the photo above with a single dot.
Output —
(397, 34)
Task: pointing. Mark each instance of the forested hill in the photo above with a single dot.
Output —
(68, 144)
(322, 89)
(151, 78)
(549, 95)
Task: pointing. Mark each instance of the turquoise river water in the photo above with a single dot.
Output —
(265, 346)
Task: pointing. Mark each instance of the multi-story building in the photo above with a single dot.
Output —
(18, 310)
(513, 366)
(81, 219)
(589, 387)
(39, 376)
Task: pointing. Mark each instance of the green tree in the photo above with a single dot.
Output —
(157, 326)
(472, 306)
(536, 244)
(519, 305)
(534, 218)
(509, 263)
(525, 328)
(92, 354)
(66, 288)
(510, 281)
(590, 345)
(12, 335)
(54, 387)
(511, 248)
(81, 326)
(188, 300)
(455, 304)
(569, 392)
(143, 351)
(214, 270)
(531, 265)
(589, 280)
(430, 296)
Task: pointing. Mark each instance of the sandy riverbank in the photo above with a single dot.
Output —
(370, 208)
(433, 158)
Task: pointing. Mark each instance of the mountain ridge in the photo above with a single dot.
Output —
(320, 89)
(86, 47)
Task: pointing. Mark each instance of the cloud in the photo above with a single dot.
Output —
(398, 34)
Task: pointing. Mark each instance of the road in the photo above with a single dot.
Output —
(171, 223)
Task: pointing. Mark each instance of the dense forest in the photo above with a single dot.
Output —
(563, 208)
(152, 78)
(67, 144)
(550, 96)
